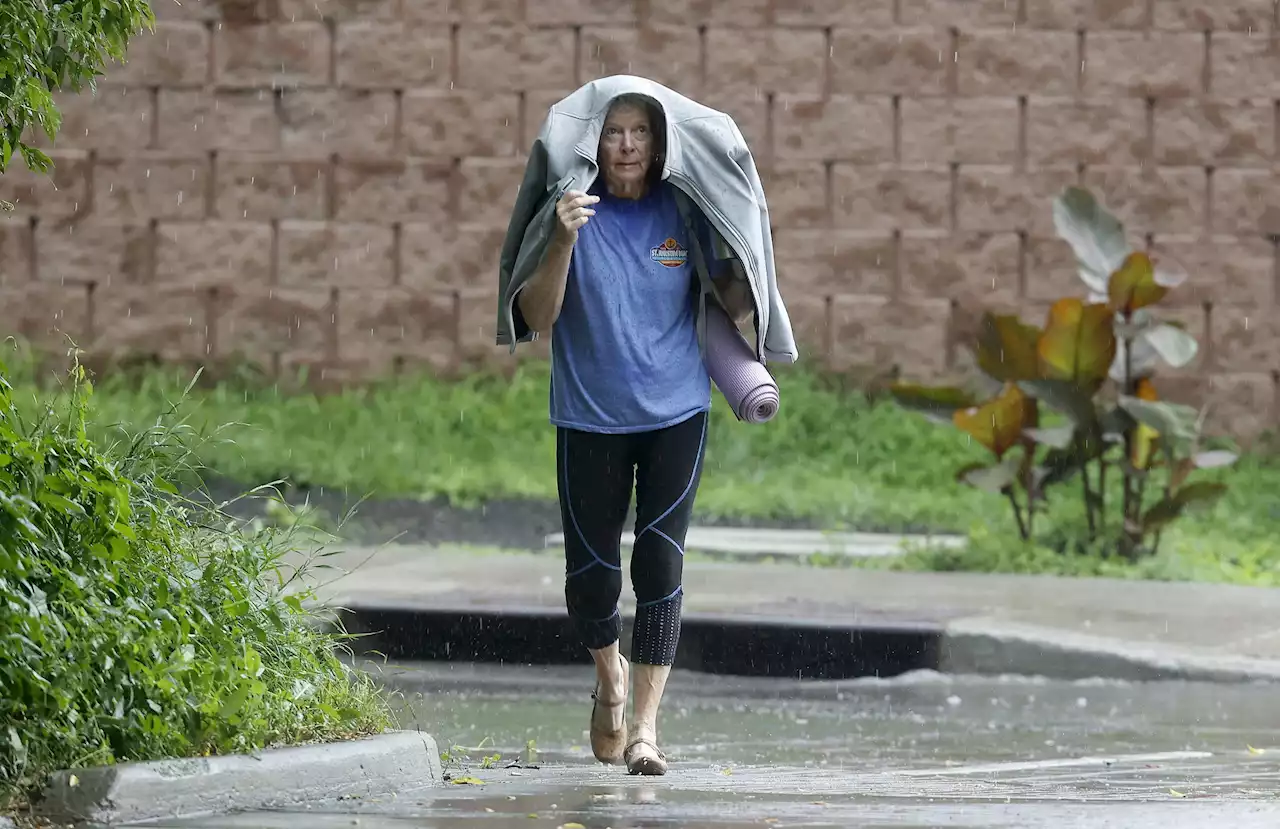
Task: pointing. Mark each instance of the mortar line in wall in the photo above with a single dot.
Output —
(90, 311)
(1024, 255)
(1275, 127)
(211, 191)
(211, 53)
(702, 56)
(1023, 150)
(953, 68)
(896, 102)
(578, 58)
(398, 142)
(895, 273)
(153, 133)
(1020, 13)
(1082, 58)
(1206, 70)
(153, 247)
(1149, 137)
(397, 255)
(1275, 271)
(953, 198)
(1206, 230)
(522, 119)
(331, 26)
(770, 114)
(897, 12)
(455, 55)
(828, 188)
(90, 185)
(33, 249)
(828, 69)
(331, 187)
(210, 322)
(273, 271)
(332, 344)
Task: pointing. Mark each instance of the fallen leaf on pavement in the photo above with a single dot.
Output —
(468, 781)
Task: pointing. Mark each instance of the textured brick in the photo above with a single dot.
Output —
(465, 11)
(391, 55)
(1154, 64)
(877, 331)
(1087, 14)
(111, 117)
(826, 262)
(17, 265)
(256, 188)
(1217, 15)
(247, 12)
(967, 267)
(454, 124)
(834, 129)
(272, 54)
(343, 10)
(166, 10)
(1087, 131)
(1017, 63)
(743, 61)
(171, 323)
(1231, 133)
(905, 62)
(1052, 272)
(433, 257)
(750, 113)
(258, 321)
(325, 253)
(962, 130)
(161, 186)
(868, 13)
(797, 194)
(506, 58)
(670, 55)
(1222, 269)
(1245, 202)
(732, 13)
(46, 313)
(1003, 199)
(175, 54)
(190, 120)
(213, 254)
(1245, 66)
(1245, 338)
(378, 325)
(1241, 404)
(104, 253)
(537, 105)
(489, 189)
(888, 198)
(339, 121)
(1171, 199)
(580, 12)
(390, 191)
(966, 14)
(60, 192)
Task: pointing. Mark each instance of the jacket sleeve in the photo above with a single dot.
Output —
(533, 190)
(779, 339)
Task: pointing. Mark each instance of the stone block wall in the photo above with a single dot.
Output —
(324, 183)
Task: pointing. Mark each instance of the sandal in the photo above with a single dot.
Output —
(652, 763)
(608, 745)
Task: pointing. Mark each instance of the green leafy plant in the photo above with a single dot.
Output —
(136, 624)
(1075, 399)
(50, 46)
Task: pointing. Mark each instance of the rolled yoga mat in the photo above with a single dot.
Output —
(732, 364)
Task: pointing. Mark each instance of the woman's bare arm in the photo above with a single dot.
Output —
(542, 296)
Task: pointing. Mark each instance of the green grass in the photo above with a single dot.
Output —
(830, 457)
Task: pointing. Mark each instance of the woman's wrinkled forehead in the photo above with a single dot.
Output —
(628, 113)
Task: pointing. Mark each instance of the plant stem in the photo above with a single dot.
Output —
(1017, 514)
(1088, 499)
(1102, 494)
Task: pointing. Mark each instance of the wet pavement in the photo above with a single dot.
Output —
(922, 750)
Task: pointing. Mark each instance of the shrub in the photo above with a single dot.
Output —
(137, 625)
(1092, 367)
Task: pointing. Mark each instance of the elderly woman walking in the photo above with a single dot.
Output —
(618, 287)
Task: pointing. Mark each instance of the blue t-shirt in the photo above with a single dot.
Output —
(624, 350)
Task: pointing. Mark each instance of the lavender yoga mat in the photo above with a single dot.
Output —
(741, 378)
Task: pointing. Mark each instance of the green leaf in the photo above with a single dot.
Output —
(1078, 344)
(1096, 236)
(1172, 420)
(1007, 348)
(1064, 397)
(1057, 437)
(1133, 285)
(1215, 459)
(939, 403)
(995, 479)
(1175, 346)
(232, 705)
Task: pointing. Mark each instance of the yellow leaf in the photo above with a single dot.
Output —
(571, 826)
(73, 781)
(1078, 344)
(1176, 793)
(468, 781)
(998, 423)
(1253, 750)
(1144, 438)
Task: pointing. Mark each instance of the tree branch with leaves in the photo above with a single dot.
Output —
(47, 47)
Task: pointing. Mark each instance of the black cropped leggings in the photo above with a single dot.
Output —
(595, 473)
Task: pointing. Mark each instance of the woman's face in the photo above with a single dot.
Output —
(626, 147)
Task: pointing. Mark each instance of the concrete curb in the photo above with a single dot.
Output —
(986, 646)
(171, 789)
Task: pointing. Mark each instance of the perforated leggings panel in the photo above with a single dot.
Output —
(597, 474)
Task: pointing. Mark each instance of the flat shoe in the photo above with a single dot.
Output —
(608, 746)
(644, 757)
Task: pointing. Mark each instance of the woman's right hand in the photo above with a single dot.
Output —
(573, 211)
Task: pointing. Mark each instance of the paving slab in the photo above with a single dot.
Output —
(975, 623)
(750, 543)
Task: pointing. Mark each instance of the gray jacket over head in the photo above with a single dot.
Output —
(708, 162)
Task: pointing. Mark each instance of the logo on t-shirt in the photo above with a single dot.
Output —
(670, 254)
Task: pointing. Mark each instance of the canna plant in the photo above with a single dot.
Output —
(1075, 400)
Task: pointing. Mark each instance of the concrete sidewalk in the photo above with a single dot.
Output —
(786, 620)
